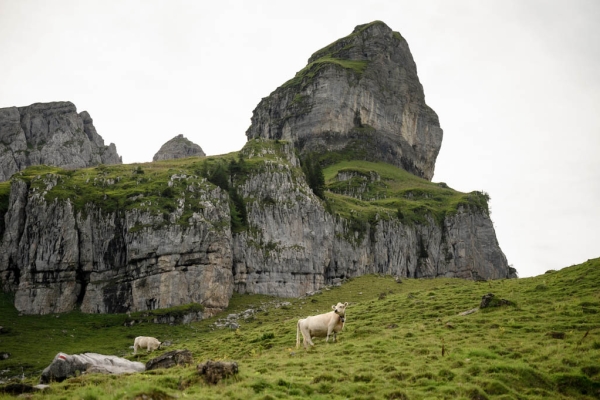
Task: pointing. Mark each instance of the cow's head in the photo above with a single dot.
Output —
(340, 309)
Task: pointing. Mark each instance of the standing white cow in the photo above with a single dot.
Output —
(322, 325)
(145, 342)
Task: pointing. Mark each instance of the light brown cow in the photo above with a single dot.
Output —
(322, 325)
(145, 342)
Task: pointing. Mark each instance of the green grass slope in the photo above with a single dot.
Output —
(395, 193)
(401, 341)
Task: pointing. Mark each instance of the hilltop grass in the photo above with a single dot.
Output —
(306, 74)
(162, 187)
(155, 187)
(397, 194)
(401, 341)
(333, 49)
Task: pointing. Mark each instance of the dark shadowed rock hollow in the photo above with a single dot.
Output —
(360, 97)
(52, 134)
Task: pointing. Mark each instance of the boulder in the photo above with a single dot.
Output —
(490, 300)
(178, 147)
(64, 366)
(171, 359)
(214, 371)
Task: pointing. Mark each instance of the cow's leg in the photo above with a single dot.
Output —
(305, 335)
(334, 337)
(329, 332)
(307, 338)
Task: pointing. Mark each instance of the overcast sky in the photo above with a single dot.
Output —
(516, 84)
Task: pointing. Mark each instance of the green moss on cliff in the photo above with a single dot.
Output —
(151, 187)
(380, 190)
(171, 189)
(349, 41)
(4, 199)
(176, 189)
(306, 75)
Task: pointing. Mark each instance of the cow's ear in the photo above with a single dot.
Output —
(333, 307)
(346, 304)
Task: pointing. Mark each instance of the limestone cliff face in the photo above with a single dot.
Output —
(123, 238)
(361, 97)
(51, 134)
(178, 147)
(298, 247)
(56, 258)
(57, 254)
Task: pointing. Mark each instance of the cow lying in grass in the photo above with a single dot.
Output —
(322, 325)
(145, 342)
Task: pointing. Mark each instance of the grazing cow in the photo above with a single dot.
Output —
(322, 325)
(145, 342)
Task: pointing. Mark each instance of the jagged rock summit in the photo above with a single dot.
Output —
(360, 97)
(178, 147)
(52, 134)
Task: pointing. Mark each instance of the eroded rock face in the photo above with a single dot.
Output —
(51, 134)
(359, 96)
(54, 257)
(178, 147)
(171, 359)
(299, 247)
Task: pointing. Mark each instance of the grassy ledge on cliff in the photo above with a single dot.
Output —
(403, 340)
(364, 190)
(360, 191)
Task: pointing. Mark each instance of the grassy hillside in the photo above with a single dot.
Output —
(401, 341)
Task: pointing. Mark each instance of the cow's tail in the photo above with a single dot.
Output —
(298, 334)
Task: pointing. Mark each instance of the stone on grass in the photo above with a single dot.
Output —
(490, 300)
(214, 371)
(64, 366)
(171, 359)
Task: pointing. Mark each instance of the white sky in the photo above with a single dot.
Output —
(516, 84)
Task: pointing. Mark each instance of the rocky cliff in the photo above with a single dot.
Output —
(118, 238)
(301, 243)
(359, 97)
(178, 147)
(51, 134)
(108, 252)
(140, 237)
